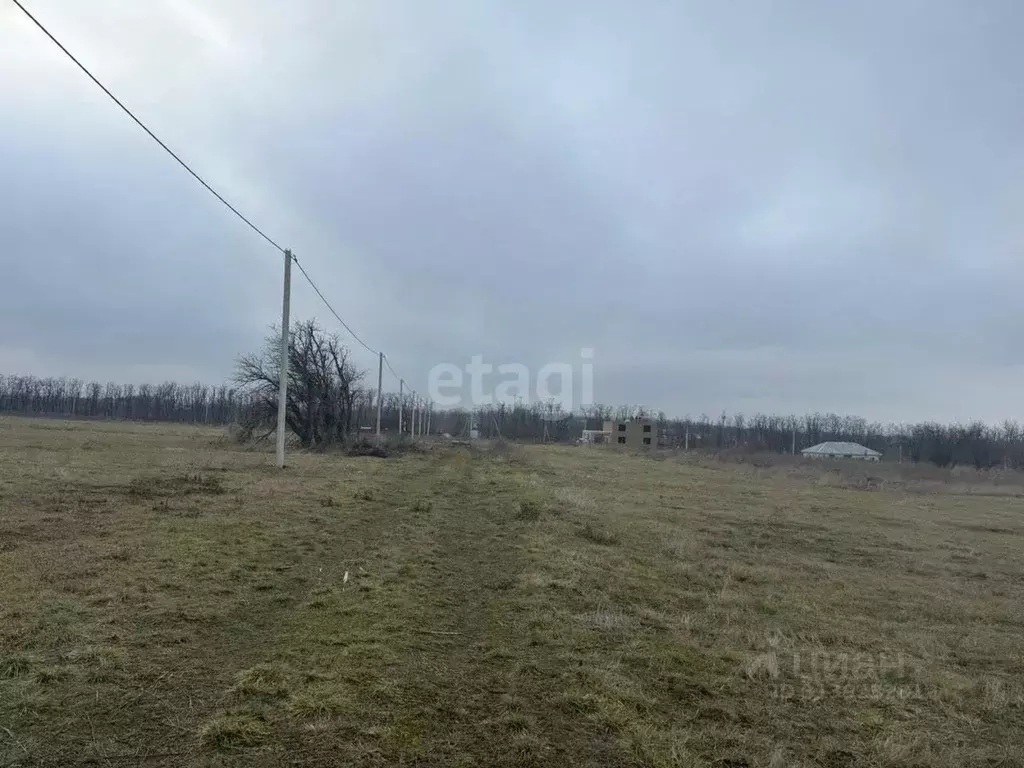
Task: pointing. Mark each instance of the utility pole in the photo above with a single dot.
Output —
(430, 409)
(380, 388)
(687, 443)
(401, 404)
(412, 421)
(792, 450)
(282, 386)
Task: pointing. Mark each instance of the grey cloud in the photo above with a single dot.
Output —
(740, 206)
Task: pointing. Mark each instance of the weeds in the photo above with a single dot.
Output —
(263, 680)
(15, 665)
(528, 510)
(597, 535)
(230, 732)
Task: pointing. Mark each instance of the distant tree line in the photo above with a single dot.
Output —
(975, 444)
(75, 398)
(196, 403)
(329, 400)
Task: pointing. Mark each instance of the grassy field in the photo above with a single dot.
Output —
(168, 598)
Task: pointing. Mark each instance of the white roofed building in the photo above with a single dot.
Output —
(841, 451)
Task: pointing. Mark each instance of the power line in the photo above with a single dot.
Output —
(395, 373)
(366, 346)
(195, 175)
(142, 125)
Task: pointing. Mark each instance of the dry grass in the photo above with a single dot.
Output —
(859, 475)
(169, 598)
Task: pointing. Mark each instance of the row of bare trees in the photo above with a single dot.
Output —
(328, 400)
(74, 398)
(975, 444)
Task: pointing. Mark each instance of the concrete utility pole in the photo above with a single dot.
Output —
(412, 421)
(401, 404)
(430, 409)
(792, 450)
(380, 388)
(282, 386)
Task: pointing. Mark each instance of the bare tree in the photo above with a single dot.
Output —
(322, 386)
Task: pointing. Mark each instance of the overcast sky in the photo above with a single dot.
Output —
(779, 206)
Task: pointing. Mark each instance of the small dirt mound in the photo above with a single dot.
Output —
(366, 448)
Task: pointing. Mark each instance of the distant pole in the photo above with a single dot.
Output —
(380, 388)
(412, 421)
(792, 450)
(401, 404)
(687, 443)
(430, 408)
(282, 386)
